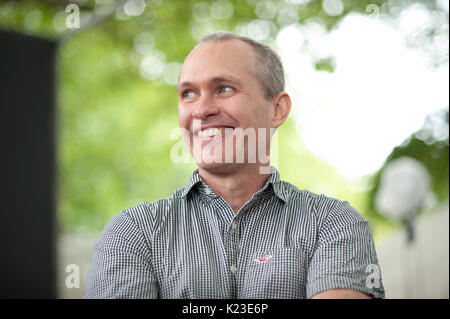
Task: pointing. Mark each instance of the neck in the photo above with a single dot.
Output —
(236, 186)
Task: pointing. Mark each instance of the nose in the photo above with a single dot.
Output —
(205, 107)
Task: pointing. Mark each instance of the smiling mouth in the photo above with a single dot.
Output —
(213, 132)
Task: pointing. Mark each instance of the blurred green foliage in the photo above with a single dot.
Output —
(430, 146)
(115, 122)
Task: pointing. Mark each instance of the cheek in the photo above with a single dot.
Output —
(264, 113)
(183, 117)
(258, 115)
(243, 111)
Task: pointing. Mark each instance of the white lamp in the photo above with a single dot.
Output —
(404, 186)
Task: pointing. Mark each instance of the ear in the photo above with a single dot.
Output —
(282, 106)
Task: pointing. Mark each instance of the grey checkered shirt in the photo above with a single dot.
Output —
(283, 243)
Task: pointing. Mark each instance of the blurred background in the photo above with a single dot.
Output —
(89, 108)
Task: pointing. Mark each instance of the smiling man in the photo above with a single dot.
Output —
(236, 230)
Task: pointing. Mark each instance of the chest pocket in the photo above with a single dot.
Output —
(276, 274)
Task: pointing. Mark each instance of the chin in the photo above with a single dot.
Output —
(218, 168)
(213, 166)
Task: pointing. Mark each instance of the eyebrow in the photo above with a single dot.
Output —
(211, 82)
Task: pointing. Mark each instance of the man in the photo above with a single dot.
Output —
(235, 231)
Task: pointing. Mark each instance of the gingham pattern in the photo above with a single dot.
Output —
(192, 245)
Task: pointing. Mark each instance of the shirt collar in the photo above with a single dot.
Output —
(195, 181)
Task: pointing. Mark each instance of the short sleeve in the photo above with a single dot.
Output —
(345, 255)
(121, 266)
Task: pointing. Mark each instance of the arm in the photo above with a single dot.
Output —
(341, 294)
(344, 263)
(121, 265)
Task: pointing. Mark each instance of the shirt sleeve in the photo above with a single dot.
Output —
(345, 255)
(121, 266)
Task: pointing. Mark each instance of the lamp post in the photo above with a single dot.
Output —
(403, 189)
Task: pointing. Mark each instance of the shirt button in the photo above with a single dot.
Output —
(233, 269)
(233, 225)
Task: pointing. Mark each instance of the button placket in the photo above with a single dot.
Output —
(234, 239)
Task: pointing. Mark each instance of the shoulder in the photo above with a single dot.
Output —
(124, 231)
(322, 207)
(305, 199)
(145, 217)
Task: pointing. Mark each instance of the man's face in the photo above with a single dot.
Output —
(218, 87)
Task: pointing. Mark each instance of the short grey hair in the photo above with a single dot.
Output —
(267, 67)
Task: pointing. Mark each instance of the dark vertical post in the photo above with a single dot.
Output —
(28, 198)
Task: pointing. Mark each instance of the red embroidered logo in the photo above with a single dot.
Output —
(260, 260)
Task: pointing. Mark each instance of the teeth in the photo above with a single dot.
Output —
(209, 132)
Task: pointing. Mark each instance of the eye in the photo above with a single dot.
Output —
(224, 89)
(188, 94)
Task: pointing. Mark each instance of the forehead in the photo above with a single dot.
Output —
(209, 59)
